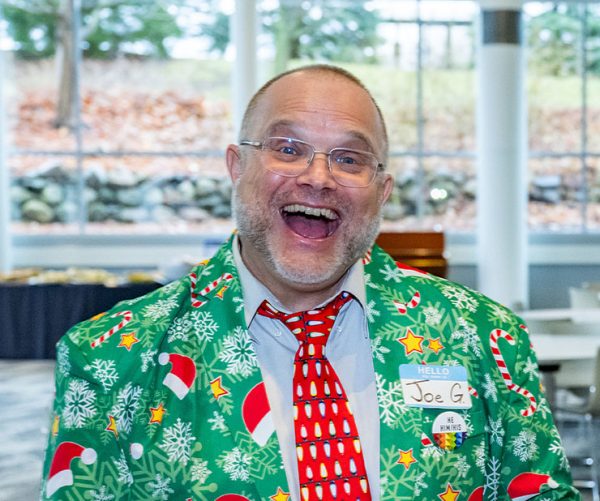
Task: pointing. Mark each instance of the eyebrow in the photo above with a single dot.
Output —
(284, 123)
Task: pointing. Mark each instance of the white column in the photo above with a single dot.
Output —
(502, 155)
(5, 234)
(243, 35)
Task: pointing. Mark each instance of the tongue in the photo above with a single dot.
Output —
(308, 227)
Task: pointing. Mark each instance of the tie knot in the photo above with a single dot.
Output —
(314, 325)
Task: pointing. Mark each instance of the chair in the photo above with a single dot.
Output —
(423, 250)
(588, 415)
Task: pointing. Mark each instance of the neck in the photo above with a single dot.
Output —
(292, 295)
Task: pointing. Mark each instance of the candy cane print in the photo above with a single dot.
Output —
(494, 336)
(126, 319)
(413, 303)
(473, 392)
(367, 257)
(196, 303)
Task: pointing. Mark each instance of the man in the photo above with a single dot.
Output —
(301, 362)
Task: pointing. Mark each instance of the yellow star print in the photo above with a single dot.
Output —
(450, 494)
(112, 426)
(411, 342)
(435, 345)
(406, 458)
(217, 388)
(221, 291)
(128, 340)
(157, 413)
(280, 495)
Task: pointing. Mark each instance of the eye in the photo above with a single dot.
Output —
(288, 150)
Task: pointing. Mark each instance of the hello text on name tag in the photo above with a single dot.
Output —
(437, 386)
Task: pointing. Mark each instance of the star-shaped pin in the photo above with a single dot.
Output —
(112, 426)
(128, 340)
(411, 342)
(280, 495)
(157, 413)
(450, 494)
(435, 345)
(217, 388)
(406, 458)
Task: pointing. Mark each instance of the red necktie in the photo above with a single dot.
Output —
(330, 460)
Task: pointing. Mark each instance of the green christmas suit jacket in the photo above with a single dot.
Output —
(162, 398)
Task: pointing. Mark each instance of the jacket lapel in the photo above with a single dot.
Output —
(233, 373)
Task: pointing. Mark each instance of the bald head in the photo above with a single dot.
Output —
(316, 71)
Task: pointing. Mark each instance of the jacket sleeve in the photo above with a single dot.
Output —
(532, 459)
(84, 459)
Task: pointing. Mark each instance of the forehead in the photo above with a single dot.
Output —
(318, 105)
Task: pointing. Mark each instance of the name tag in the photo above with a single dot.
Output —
(437, 386)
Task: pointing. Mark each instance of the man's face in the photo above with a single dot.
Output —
(304, 232)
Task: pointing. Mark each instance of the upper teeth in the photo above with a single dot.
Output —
(311, 211)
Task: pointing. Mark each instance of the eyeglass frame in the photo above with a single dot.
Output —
(260, 144)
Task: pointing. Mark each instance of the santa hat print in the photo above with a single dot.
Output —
(182, 374)
(60, 474)
(528, 485)
(256, 414)
(477, 494)
(409, 271)
(232, 497)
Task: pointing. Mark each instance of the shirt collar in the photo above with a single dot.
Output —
(254, 292)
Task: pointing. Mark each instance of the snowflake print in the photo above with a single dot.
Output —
(235, 464)
(101, 495)
(468, 334)
(433, 452)
(217, 422)
(63, 363)
(480, 456)
(105, 372)
(557, 448)
(371, 312)
(496, 431)
(378, 350)
(128, 400)
(159, 309)
(489, 388)
(238, 353)
(432, 315)
(79, 404)
(177, 441)
(499, 314)
(125, 475)
(200, 471)
(180, 329)
(369, 282)
(171, 287)
(451, 362)
(391, 402)
(531, 369)
(460, 298)
(419, 483)
(204, 325)
(160, 487)
(462, 467)
(525, 446)
(492, 479)
(390, 273)
(148, 359)
(240, 304)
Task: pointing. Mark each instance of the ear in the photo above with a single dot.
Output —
(234, 161)
(388, 186)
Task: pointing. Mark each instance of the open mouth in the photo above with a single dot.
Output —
(310, 222)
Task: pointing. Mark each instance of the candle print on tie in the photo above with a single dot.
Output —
(328, 449)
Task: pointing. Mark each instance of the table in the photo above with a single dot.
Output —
(589, 315)
(34, 317)
(555, 350)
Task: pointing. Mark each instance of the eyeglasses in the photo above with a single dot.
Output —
(291, 157)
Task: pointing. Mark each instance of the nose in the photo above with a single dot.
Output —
(317, 173)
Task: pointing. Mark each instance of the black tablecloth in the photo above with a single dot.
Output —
(34, 317)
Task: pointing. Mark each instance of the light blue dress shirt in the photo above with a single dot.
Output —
(348, 351)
